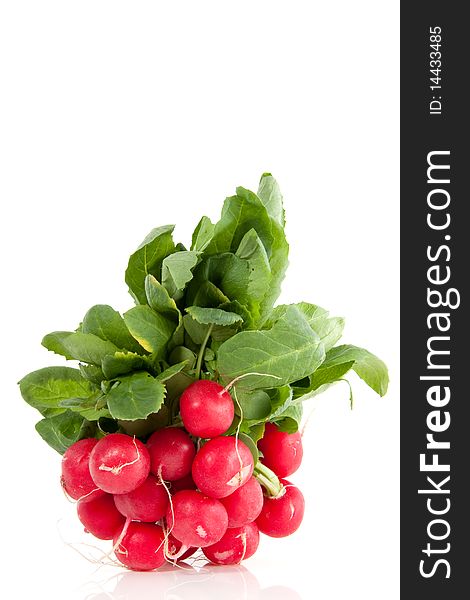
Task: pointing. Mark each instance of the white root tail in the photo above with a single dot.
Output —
(231, 384)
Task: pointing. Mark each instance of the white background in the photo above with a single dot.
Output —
(120, 116)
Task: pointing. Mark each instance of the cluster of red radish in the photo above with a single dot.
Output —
(186, 488)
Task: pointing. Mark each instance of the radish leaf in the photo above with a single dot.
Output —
(286, 353)
(147, 259)
(151, 329)
(105, 322)
(216, 316)
(177, 271)
(135, 397)
(45, 388)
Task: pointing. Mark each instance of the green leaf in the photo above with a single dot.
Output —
(222, 333)
(208, 316)
(252, 447)
(324, 376)
(205, 294)
(209, 355)
(328, 329)
(177, 271)
(61, 431)
(223, 279)
(88, 408)
(202, 235)
(196, 331)
(105, 322)
(289, 420)
(255, 405)
(147, 259)
(281, 398)
(121, 363)
(331, 332)
(239, 309)
(177, 384)
(151, 329)
(92, 373)
(84, 347)
(256, 432)
(181, 354)
(286, 353)
(171, 371)
(369, 367)
(136, 397)
(45, 388)
(177, 338)
(278, 253)
(229, 273)
(252, 250)
(55, 343)
(240, 213)
(159, 299)
(271, 197)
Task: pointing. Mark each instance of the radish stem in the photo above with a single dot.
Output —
(269, 480)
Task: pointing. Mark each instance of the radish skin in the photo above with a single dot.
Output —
(221, 466)
(237, 544)
(196, 520)
(206, 408)
(245, 504)
(174, 547)
(282, 452)
(142, 547)
(100, 517)
(282, 516)
(119, 463)
(146, 503)
(171, 453)
(76, 479)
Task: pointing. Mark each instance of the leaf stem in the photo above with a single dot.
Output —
(269, 480)
(201, 351)
(351, 397)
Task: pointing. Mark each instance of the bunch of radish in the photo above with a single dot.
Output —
(186, 488)
(179, 422)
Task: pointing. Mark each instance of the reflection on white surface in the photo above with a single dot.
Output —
(187, 583)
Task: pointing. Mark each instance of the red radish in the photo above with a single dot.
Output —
(282, 452)
(196, 520)
(100, 517)
(76, 479)
(245, 504)
(146, 503)
(171, 453)
(119, 463)
(206, 409)
(142, 546)
(185, 483)
(221, 466)
(282, 516)
(237, 544)
(174, 547)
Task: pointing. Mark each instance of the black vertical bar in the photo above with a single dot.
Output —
(439, 127)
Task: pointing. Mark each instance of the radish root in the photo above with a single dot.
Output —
(229, 386)
(104, 561)
(117, 546)
(243, 538)
(237, 433)
(167, 531)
